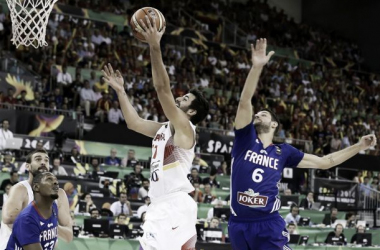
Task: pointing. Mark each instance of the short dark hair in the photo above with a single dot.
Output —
(291, 224)
(200, 104)
(94, 209)
(118, 217)
(30, 155)
(13, 172)
(348, 215)
(274, 118)
(38, 178)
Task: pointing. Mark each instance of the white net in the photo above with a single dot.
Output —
(29, 20)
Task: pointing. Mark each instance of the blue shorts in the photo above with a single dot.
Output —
(268, 234)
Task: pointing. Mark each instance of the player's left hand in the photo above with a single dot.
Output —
(367, 141)
(150, 32)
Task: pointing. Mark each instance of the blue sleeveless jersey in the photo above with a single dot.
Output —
(30, 227)
(255, 174)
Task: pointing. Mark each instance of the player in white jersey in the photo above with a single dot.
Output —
(171, 216)
(21, 195)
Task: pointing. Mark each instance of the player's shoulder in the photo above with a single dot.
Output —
(20, 190)
(28, 214)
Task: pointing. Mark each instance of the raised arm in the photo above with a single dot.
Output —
(65, 229)
(259, 59)
(13, 206)
(133, 120)
(336, 158)
(184, 136)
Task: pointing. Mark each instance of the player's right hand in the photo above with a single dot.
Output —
(115, 80)
(259, 56)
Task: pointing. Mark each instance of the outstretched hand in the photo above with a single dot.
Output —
(367, 141)
(259, 56)
(115, 80)
(150, 32)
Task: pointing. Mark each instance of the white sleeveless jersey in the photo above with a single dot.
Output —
(5, 231)
(170, 165)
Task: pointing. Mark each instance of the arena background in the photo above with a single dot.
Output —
(323, 83)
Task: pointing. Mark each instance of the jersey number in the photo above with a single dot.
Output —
(51, 243)
(257, 175)
(154, 176)
(155, 151)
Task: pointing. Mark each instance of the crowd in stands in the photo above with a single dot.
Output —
(300, 95)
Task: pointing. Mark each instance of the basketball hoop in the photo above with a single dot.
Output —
(29, 21)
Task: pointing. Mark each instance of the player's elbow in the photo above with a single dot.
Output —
(323, 163)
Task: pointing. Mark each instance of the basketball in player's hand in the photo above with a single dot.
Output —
(151, 13)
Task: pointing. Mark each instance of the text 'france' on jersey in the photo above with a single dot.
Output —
(256, 172)
(30, 227)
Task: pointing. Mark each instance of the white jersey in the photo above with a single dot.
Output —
(170, 165)
(5, 231)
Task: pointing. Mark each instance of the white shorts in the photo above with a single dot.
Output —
(5, 233)
(169, 222)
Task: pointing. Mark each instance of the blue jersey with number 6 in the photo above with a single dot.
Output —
(30, 227)
(255, 174)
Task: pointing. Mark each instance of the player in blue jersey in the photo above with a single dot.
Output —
(36, 227)
(257, 165)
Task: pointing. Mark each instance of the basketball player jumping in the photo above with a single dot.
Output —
(36, 227)
(21, 195)
(171, 216)
(257, 165)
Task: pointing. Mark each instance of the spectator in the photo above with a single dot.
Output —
(64, 78)
(106, 210)
(142, 209)
(350, 219)
(211, 179)
(101, 85)
(122, 206)
(13, 180)
(86, 197)
(115, 115)
(57, 168)
(74, 156)
(336, 237)
(207, 196)
(330, 218)
(359, 230)
(95, 168)
(130, 160)
(215, 224)
(197, 193)
(95, 214)
(375, 182)
(308, 202)
(358, 177)
(287, 192)
(6, 194)
(134, 181)
(292, 228)
(293, 216)
(112, 160)
(7, 165)
(143, 191)
(194, 176)
(121, 220)
(5, 134)
(102, 107)
(10, 97)
(87, 97)
(365, 187)
(72, 194)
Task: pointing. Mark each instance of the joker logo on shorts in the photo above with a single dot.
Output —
(251, 199)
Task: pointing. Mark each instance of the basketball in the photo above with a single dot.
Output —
(140, 14)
